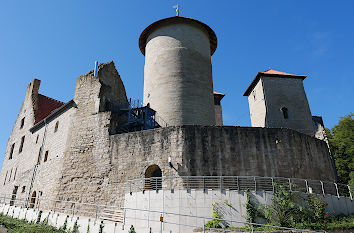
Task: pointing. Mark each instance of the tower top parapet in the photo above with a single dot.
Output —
(176, 19)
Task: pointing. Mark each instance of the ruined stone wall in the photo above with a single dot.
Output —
(255, 152)
(87, 161)
(200, 151)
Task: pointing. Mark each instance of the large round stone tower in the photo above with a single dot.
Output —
(178, 82)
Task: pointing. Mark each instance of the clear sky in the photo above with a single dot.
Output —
(57, 41)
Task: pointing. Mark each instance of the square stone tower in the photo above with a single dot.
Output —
(278, 100)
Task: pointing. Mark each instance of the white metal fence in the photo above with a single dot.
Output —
(240, 183)
(166, 219)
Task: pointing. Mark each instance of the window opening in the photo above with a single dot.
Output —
(15, 173)
(13, 197)
(22, 123)
(56, 127)
(21, 146)
(39, 156)
(23, 189)
(37, 138)
(33, 199)
(12, 151)
(285, 112)
(10, 174)
(5, 177)
(153, 177)
(46, 156)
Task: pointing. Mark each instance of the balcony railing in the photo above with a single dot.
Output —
(239, 183)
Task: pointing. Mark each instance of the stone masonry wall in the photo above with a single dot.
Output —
(23, 163)
(20, 161)
(197, 150)
(87, 161)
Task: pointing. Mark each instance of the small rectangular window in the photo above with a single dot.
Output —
(46, 156)
(10, 174)
(12, 150)
(21, 146)
(37, 138)
(56, 127)
(22, 123)
(5, 177)
(15, 173)
(39, 156)
(23, 189)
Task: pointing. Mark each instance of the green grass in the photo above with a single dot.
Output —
(14, 225)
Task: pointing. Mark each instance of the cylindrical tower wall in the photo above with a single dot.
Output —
(178, 75)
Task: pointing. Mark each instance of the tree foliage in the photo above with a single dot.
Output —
(341, 142)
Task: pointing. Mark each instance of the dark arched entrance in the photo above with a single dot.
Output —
(153, 177)
(33, 199)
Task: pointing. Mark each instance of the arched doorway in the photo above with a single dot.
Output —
(153, 177)
(33, 199)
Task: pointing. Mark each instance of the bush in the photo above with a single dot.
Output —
(20, 225)
(215, 222)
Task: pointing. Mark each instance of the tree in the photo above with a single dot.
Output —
(341, 142)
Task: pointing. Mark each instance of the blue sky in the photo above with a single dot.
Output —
(56, 41)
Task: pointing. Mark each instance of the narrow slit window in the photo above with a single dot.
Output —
(39, 156)
(21, 146)
(23, 189)
(285, 112)
(10, 174)
(56, 127)
(46, 156)
(22, 123)
(37, 138)
(5, 177)
(12, 150)
(15, 173)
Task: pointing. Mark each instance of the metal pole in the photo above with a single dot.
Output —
(255, 183)
(273, 184)
(204, 225)
(290, 184)
(220, 183)
(335, 184)
(323, 191)
(73, 209)
(350, 193)
(307, 187)
(124, 213)
(238, 185)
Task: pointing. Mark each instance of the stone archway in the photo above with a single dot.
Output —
(153, 177)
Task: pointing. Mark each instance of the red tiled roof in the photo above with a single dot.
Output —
(219, 93)
(270, 73)
(46, 106)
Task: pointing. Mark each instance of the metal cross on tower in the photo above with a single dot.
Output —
(177, 9)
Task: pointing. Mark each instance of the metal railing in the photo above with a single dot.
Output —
(240, 183)
(67, 207)
(153, 216)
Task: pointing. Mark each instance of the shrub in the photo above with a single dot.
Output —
(215, 222)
